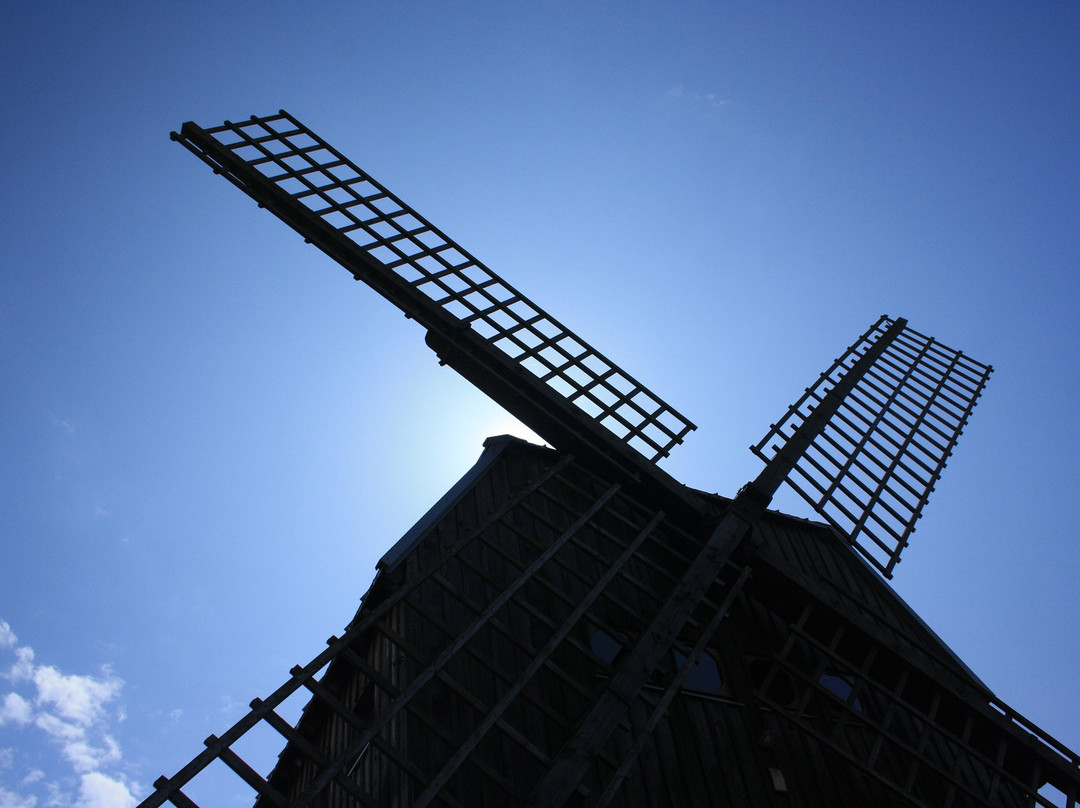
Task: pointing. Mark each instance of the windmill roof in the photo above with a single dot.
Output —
(803, 549)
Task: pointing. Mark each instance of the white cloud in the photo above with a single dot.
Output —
(9, 799)
(12, 799)
(79, 698)
(71, 711)
(58, 729)
(57, 797)
(64, 424)
(75, 743)
(710, 100)
(101, 791)
(84, 757)
(23, 669)
(15, 709)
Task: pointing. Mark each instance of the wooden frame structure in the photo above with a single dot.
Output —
(870, 471)
(574, 627)
(495, 625)
(329, 200)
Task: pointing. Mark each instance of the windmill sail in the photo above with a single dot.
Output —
(467, 309)
(870, 471)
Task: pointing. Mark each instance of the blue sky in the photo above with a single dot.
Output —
(210, 433)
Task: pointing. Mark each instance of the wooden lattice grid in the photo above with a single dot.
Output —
(873, 467)
(318, 178)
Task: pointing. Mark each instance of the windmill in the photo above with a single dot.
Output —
(572, 626)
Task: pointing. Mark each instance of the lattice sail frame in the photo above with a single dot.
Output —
(870, 472)
(322, 181)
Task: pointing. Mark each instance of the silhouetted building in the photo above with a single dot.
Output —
(493, 625)
(575, 627)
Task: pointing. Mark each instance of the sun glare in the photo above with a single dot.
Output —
(503, 423)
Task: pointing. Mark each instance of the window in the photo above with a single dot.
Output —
(841, 687)
(605, 646)
(704, 675)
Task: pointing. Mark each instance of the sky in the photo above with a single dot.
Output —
(210, 433)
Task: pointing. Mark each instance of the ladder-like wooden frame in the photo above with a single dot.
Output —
(294, 173)
(870, 471)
